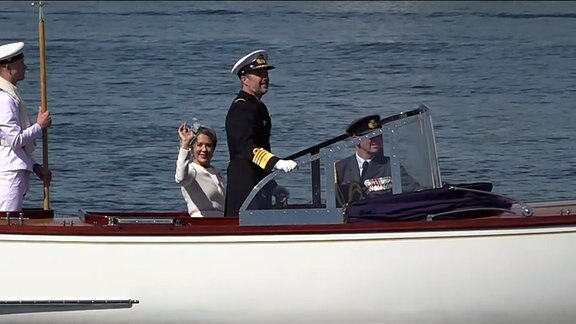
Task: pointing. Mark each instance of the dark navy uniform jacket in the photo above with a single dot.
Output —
(347, 172)
(248, 127)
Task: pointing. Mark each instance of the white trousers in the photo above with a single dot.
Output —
(13, 188)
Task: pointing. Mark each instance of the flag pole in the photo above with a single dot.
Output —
(44, 97)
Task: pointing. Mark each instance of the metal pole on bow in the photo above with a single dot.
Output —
(43, 96)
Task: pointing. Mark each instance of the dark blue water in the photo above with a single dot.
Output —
(498, 77)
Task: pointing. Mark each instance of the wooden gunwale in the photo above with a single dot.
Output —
(545, 215)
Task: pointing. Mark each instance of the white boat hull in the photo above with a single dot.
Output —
(464, 276)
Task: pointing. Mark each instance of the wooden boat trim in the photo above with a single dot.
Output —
(545, 215)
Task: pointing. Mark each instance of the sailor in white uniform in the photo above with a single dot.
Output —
(17, 133)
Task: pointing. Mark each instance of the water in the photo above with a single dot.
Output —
(498, 76)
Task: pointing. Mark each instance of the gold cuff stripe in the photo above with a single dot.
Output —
(261, 157)
(258, 157)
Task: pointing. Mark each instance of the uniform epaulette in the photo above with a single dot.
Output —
(239, 100)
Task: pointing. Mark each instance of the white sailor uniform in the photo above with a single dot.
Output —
(17, 137)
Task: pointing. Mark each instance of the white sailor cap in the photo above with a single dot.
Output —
(256, 60)
(11, 52)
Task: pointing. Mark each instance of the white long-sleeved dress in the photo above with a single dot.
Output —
(203, 188)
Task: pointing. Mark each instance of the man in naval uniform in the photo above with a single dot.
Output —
(248, 127)
(17, 134)
(367, 169)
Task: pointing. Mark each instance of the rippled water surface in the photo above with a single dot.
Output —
(498, 77)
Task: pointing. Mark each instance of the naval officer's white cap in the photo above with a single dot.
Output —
(11, 52)
(254, 61)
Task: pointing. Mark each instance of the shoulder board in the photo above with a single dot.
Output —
(239, 100)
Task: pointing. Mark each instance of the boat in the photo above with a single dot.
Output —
(441, 253)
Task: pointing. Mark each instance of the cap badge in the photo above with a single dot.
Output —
(261, 60)
(372, 124)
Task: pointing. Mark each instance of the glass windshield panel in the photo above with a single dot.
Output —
(401, 157)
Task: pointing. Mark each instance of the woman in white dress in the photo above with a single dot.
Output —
(203, 187)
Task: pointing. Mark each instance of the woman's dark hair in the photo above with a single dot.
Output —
(208, 132)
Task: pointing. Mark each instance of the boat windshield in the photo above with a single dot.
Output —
(402, 158)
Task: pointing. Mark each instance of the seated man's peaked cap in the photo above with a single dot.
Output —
(363, 125)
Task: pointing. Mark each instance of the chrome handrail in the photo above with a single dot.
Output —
(526, 210)
(431, 217)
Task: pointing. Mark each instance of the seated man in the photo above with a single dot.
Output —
(367, 172)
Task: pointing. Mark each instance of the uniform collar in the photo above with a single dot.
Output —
(247, 96)
(360, 161)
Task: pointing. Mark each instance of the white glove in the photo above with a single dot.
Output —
(285, 165)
